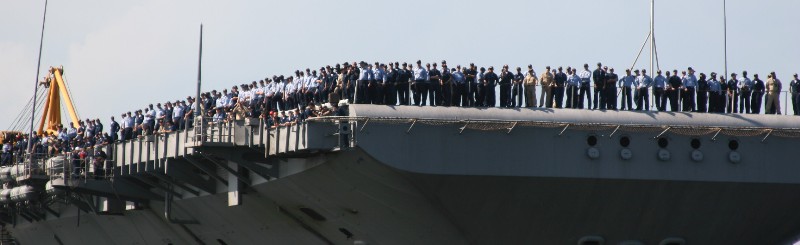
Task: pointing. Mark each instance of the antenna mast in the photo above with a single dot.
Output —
(725, 31)
(36, 88)
(652, 33)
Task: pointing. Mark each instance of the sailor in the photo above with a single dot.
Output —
(288, 93)
(611, 89)
(472, 83)
(347, 81)
(546, 99)
(702, 94)
(89, 132)
(98, 127)
(773, 105)
(127, 127)
(322, 85)
(505, 86)
(689, 90)
(560, 86)
(364, 76)
(269, 94)
(490, 83)
(530, 83)
(445, 86)
(480, 84)
(139, 125)
(585, 91)
(673, 90)
(715, 95)
(644, 83)
(280, 93)
(732, 88)
(434, 84)
(312, 88)
(7, 153)
(516, 89)
(298, 84)
(420, 84)
(745, 86)
(114, 130)
(573, 85)
(599, 77)
(446, 83)
(758, 94)
(389, 92)
(626, 82)
(659, 84)
(149, 120)
(459, 97)
(403, 77)
(794, 91)
(258, 94)
(372, 87)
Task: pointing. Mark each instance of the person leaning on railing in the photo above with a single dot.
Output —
(219, 116)
(98, 163)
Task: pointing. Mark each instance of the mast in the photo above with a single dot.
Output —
(36, 88)
(652, 33)
(725, 31)
(198, 108)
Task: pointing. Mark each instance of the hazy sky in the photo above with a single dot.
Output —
(121, 55)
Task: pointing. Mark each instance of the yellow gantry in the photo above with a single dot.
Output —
(52, 106)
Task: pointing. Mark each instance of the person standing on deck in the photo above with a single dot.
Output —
(585, 89)
(530, 87)
(689, 90)
(773, 105)
(546, 99)
(745, 90)
(758, 94)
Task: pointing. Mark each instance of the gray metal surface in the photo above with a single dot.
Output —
(579, 116)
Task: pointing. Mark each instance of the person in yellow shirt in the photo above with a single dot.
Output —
(774, 86)
(547, 82)
(530, 83)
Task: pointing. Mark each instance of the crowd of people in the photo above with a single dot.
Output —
(601, 88)
(286, 100)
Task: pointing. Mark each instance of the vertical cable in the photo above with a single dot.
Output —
(36, 88)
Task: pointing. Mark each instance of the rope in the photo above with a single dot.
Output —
(640, 50)
(20, 116)
(69, 93)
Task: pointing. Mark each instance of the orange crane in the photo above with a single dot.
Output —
(51, 116)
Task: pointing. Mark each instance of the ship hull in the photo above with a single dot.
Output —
(379, 204)
(443, 180)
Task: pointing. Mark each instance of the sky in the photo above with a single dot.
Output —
(120, 56)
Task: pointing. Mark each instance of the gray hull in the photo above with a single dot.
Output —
(409, 182)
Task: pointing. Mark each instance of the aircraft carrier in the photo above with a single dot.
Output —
(428, 175)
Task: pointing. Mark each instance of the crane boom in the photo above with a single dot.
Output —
(51, 116)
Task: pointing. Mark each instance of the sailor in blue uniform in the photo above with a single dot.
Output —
(420, 84)
(689, 90)
(643, 82)
(625, 83)
(702, 94)
(490, 82)
(733, 94)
